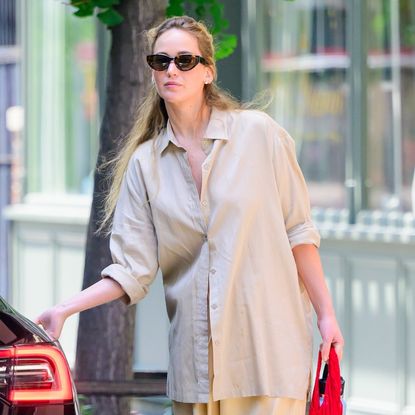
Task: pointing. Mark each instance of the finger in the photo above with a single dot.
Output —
(325, 350)
(338, 347)
(51, 334)
(45, 329)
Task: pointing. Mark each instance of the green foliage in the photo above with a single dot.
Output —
(110, 17)
(175, 8)
(105, 3)
(211, 12)
(85, 408)
(105, 10)
(227, 44)
(409, 36)
(84, 10)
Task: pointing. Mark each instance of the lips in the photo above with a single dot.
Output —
(171, 84)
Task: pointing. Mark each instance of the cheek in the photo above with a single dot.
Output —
(157, 76)
(195, 80)
(158, 83)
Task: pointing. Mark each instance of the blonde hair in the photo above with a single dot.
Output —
(151, 116)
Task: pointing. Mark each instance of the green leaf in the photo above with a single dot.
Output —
(86, 9)
(226, 44)
(110, 17)
(219, 23)
(200, 11)
(212, 9)
(103, 4)
(174, 11)
(175, 8)
(217, 11)
(225, 24)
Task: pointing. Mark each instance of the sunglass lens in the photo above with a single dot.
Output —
(186, 62)
(158, 62)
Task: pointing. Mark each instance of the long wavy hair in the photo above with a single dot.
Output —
(151, 115)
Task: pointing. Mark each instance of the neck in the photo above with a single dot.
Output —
(188, 123)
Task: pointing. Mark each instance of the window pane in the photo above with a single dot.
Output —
(380, 111)
(60, 98)
(407, 39)
(81, 103)
(304, 64)
(391, 92)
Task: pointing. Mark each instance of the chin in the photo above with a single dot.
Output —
(174, 100)
(180, 99)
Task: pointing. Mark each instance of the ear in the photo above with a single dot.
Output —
(209, 76)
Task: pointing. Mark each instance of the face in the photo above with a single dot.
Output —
(173, 85)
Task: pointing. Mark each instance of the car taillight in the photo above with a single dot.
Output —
(5, 366)
(35, 374)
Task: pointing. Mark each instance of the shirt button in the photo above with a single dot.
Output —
(214, 306)
(213, 271)
(206, 166)
(205, 237)
(217, 342)
(204, 203)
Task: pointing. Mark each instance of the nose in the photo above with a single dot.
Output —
(171, 69)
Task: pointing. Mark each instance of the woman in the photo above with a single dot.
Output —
(213, 196)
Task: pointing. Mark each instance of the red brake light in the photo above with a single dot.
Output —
(38, 373)
(5, 365)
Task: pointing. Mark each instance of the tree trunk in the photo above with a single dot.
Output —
(106, 333)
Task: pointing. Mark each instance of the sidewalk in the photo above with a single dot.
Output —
(153, 405)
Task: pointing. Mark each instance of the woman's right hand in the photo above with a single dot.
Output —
(103, 291)
(52, 321)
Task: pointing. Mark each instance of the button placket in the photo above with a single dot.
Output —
(201, 323)
(193, 193)
(201, 312)
(214, 310)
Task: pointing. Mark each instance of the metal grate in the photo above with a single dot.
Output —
(372, 225)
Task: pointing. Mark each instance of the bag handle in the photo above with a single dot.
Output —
(333, 384)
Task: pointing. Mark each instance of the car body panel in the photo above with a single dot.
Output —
(16, 330)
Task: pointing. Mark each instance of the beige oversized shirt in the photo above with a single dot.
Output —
(225, 257)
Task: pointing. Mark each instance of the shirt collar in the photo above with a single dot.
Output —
(216, 129)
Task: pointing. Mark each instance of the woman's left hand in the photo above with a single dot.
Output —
(331, 335)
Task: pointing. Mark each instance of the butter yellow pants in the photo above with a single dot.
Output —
(255, 405)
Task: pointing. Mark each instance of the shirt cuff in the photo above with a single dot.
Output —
(134, 290)
(304, 233)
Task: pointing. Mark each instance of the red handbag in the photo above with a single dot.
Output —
(326, 399)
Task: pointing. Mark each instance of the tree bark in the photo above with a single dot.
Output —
(106, 333)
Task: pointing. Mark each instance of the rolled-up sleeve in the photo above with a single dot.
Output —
(293, 191)
(133, 241)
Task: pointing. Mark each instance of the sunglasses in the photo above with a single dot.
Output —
(182, 62)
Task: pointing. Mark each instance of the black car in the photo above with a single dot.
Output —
(35, 378)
